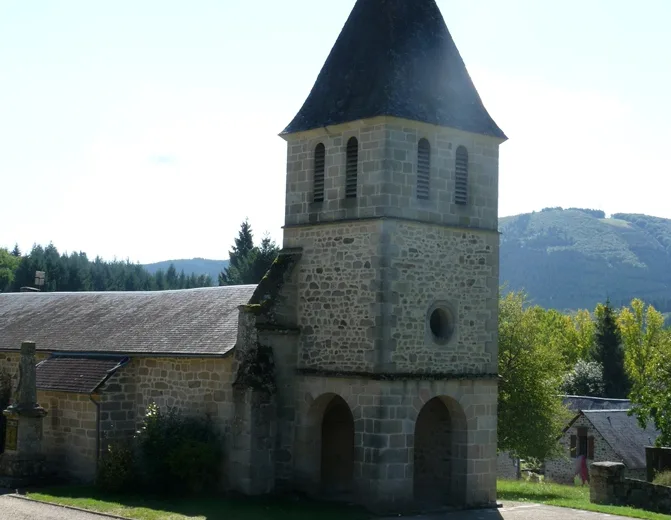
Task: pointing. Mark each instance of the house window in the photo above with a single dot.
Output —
(318, 179)
(582, 444)
(461, 176)
(423, 169)
(351, 168)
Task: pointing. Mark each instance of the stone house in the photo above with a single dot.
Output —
(602, 435)
(364, 364)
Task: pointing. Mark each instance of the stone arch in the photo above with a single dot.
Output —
(326, 447)
(337, 448)
(440, 454)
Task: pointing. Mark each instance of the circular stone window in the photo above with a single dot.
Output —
(441, 324)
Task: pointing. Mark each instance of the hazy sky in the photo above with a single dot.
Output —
(148, 129)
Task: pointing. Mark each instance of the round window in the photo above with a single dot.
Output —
(441, 325)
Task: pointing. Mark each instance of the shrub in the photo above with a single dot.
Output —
(663, 478)
(169, 454)
(116, 467)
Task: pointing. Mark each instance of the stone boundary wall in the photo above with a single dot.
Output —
(507, 467)
(610, 487)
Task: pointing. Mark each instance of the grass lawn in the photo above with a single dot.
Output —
(575, 497)
(142, 508)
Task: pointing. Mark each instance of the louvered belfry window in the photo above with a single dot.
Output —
(351, 168)
(318, 179)
(461, 176)
(423, 169)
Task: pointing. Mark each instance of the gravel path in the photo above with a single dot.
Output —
(13, 508)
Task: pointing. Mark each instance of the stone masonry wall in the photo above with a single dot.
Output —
(69, 429)
(402, 138)
(193, 386)
(436, 266)
(385, 416)
(339, 294)
(387, 174)
(562, 470)
(69, 435)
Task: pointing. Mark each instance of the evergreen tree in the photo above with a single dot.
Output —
(16, 251)
(248, 263)
(609, 352)
(171, 277)
(241, 258)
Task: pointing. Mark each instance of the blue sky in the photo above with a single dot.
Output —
(148, 130)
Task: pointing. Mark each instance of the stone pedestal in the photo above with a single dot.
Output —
(23, 462)
(607, 479)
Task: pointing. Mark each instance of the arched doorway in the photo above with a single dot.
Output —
(337, 448)
(440, 454)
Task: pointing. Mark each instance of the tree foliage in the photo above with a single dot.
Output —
(647, 357)
(8, 265)
(248, 263)
(530, 412)
(609, 352)
(74, 272)
(586, 378)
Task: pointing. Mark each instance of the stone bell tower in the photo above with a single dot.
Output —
(392, 195)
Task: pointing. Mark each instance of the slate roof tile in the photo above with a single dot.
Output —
(187, 322)
(81, 375)
(395, 58)
(623, 434)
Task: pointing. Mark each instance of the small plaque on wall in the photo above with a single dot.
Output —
(11, 432)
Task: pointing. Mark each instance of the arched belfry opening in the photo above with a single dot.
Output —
(440, 454)
(337, 448)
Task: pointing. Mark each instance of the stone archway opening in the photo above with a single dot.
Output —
(337, 449)
(440, 454)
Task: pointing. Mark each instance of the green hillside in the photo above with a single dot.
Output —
(194, 265)
(575, 258)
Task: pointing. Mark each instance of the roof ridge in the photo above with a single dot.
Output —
(157, 292)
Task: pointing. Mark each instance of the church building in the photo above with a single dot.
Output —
(363, 367)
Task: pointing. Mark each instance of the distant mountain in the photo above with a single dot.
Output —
(564, 259)
(195, 265)
(575, 258)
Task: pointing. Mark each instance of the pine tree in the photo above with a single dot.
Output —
(241, 259)
(171, 277)
(16, 251)
(608, 351)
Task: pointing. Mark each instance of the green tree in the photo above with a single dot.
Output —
(16, 251)
(530, 412)
(609, 352)
(647, 356)
(248, 263)
(8, 266)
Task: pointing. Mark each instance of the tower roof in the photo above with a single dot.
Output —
(395, 58)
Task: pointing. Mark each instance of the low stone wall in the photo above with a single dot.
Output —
(507, 467)
(609, 486)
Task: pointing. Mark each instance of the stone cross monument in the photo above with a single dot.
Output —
(22, 462)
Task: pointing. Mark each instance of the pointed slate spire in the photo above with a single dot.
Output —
(395, 58)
